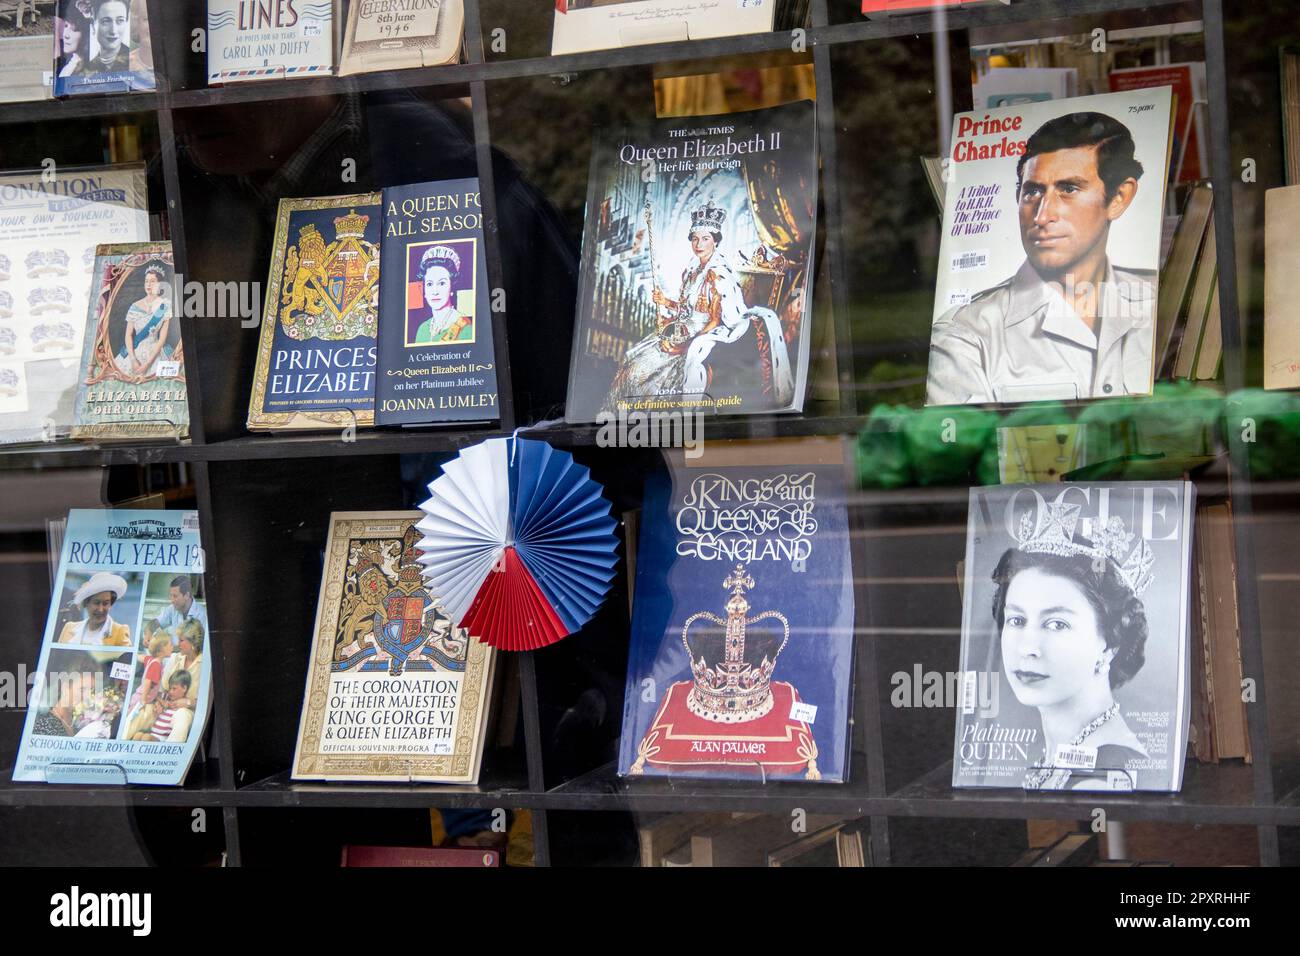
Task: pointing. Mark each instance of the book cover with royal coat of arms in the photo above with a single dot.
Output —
(697, 266)
(1075, 637)
(741, 658)
(394, 690)
(316, 356)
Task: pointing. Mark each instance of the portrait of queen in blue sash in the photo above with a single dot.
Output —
(148, 321)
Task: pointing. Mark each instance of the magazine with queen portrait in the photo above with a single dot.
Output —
(1074, 656)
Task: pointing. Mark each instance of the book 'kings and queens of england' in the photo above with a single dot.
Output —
(742, 628)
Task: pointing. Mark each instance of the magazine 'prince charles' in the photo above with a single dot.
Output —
(1069, 324)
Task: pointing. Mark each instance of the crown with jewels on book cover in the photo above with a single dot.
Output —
(732, 669)
(708, 216)
(1061, 531)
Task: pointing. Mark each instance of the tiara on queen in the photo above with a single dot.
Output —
(708, 216)
(1061, 531)
(438, 255)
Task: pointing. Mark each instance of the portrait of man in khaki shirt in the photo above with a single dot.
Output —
(1069, 324)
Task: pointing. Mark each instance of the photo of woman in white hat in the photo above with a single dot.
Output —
(95, 598)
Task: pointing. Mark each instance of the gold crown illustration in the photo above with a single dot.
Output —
(1061, 531)
(351, 226)
(708, 216)
(732, 667)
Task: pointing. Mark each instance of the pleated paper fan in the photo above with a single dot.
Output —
(518, 543)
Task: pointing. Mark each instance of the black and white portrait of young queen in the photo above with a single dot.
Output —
(1070, 323)
(1082, 621)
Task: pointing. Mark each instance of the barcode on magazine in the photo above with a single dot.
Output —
(190, 521)
(1075, 758)
(975, 259)
(969, 696)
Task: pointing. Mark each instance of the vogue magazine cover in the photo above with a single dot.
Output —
(742, 624)
(697, 266)
(1050, 250)
(1074, 656)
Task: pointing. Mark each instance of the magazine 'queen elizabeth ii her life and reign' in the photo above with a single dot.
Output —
(697, 266)
(1074, 656)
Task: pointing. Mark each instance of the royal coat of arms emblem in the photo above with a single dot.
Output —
(331, 290)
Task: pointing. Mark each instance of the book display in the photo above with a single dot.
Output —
(487, 433)
(101, 46)
(259, 41)
(397, 34)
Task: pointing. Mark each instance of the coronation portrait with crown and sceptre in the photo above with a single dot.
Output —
(697, 266)
(1075, 637)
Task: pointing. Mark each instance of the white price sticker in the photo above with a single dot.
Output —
(749, 4)
(1070, 757)
(443, 747)
(974, 259)
(47, 78)
(120, 670)
(312, 28)
(959, 297)
(969, 691)
(805, 712)
(169, 369)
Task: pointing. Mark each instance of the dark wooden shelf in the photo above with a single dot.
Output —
(460, 75)
(509, 791)
(1211, 793)
(73, 455)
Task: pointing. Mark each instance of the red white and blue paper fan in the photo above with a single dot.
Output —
(518, 543)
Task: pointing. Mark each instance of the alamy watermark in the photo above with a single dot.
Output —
(219, 300)
(975, 692)
(635, 428)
